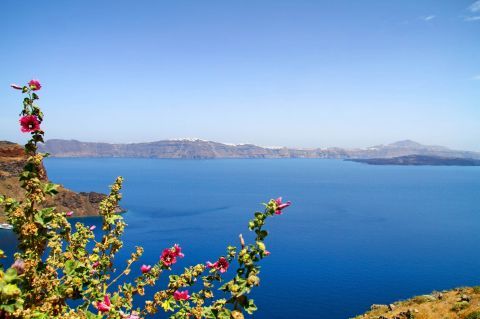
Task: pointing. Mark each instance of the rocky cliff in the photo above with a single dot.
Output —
(12, 160)
(200, 149)
(459, 303)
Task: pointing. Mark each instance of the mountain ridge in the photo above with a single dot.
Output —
(202, 149)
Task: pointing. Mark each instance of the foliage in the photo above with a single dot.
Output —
(460, 305)
(54, 267)
(473, 315)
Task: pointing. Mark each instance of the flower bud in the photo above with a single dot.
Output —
(237, 315)
(253, 280)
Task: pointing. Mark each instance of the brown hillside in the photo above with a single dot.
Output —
(460, 303)
(12, 160)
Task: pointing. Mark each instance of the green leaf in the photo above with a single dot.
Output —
(44, 216)
(261, 234)
(10, 291)
(10, 275)
(50, 188)
(69, 267)
(224, 314)
(251, 307)
(167, 305)
(208, 313)
(8, 308)
(40, 315)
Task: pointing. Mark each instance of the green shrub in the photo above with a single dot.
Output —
(476, 289)
(460, 306)
(473, 315)
(53, 265)
(423, 298)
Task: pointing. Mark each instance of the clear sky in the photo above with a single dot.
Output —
(307, 73)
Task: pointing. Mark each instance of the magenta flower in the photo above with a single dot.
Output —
(104, 306)
(70, 213)
(92, 227)
(96, 264)
(145, 269)
(178, 250)
(16, 87)
(29, 123)
(221, 264)
(169, 255)
(281, 205)
(34, 85)
(181, 295)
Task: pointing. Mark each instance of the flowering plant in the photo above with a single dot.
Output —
(53, 266)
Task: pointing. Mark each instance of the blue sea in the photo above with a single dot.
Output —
(355, 234)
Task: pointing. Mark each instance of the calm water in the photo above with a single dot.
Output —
(356, 234)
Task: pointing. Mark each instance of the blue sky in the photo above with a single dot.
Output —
(307, 73)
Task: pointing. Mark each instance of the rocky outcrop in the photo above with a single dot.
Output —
(448, 304)
(200, 149)
(12, 160)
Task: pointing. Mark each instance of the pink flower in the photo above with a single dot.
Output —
(69, 214)
(132, 316)
(281, 205)
(177, 250)
(29, 123)
(169, 255)
(181, 295)
(210, 265)
(96, 264)
(105, 305)
(145, 269)
(266, 253)
(92, 227)
(34, 85)
(221, 264)
(16, 87)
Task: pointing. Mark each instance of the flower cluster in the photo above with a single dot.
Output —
(169, 255)
(221, 264)
(57, 262)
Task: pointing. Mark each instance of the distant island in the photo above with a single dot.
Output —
(201, 149)
(417, 160)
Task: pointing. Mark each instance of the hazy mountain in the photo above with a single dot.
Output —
(200, 149)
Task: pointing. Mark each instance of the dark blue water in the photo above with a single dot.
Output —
(355, 235)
